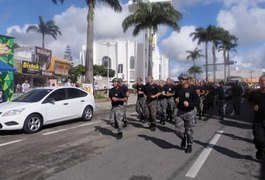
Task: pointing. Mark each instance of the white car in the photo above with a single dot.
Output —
(47, 105)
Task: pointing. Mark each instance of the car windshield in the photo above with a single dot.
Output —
(34, 95)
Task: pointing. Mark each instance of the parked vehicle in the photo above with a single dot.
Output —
(47, 105)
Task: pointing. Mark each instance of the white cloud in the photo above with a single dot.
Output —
(247, 23)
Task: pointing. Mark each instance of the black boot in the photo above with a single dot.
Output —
(119, 135)
(125, 124)
(153, 127)
(183, 143)
(259, 154)
(189, 149)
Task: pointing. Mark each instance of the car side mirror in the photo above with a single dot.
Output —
(50, 100)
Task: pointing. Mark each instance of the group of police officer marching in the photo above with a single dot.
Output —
(163, 101)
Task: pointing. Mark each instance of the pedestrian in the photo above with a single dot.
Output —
(187, 99)
(25, 86)
(152, 93)
(237, 92)
(18, 88)
(140, 102)
(170, 92)
(68, 83)
(257, 100)
(118, 97)
(221, 101)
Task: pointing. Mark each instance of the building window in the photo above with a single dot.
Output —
(105, 61)
(132, 62)
(120, 68)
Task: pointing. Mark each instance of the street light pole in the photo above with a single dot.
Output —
(108, 45)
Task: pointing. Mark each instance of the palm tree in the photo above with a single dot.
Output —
(115, 5)
(45, 28)
(202, 36)
(195, 70)
(149, 16)
(214, 36)
(193, 55)
(227, 43)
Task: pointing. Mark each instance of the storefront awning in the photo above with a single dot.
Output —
(5, 67)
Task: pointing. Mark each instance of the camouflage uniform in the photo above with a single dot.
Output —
(186, 113)
(117, 106)
(140, 108)
(150, 91)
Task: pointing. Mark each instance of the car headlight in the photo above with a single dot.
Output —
(13, 112)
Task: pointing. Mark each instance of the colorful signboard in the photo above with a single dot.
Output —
(7, 56)
(30, 67)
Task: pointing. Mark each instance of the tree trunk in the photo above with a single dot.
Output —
(43, 40)
(150, 53)
(214, 63)
(194, 75)
(89, 48)
(225, 61)
(206, 61)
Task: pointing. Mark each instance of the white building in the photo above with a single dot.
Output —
(127, 59)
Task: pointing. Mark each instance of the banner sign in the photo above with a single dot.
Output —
(30, 67)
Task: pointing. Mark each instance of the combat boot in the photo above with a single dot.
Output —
(259, 154)
(153, 127)
(183, 143)
(119, 135)
(125, 124)
(189, 149)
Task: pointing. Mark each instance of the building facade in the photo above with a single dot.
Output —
(127, 59)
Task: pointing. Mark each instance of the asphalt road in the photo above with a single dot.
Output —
(90, 151)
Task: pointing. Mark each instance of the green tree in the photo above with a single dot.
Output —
(102, 71)
(68, 53)
(193, 55)
(149, 16)
(202, 36)
(115, 5)
(227, 43)
(195, 70)
(75, 72)
(45, 28)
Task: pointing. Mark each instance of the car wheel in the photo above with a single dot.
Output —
(87, 113)
(32, 124)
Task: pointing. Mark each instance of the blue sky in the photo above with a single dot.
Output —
(243, 18)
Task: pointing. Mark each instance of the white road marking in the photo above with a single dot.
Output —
(203, 156)
(11, 142)
(61, 130)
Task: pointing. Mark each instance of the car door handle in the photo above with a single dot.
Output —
(65, 103)
(82, 100)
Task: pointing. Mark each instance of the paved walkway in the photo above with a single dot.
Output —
(104, 104)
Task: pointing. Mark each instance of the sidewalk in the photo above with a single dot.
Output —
(104, 104)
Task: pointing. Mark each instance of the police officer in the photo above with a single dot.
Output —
(257, 99)
(152, 93)
(186, 98)
(127, 93)
(118, 97)
(140, 103)
(221, 101)
(162, 103)
(169, 94)
(237, 91)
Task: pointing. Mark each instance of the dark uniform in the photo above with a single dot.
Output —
(186, 114)
(162, 104)
(257, 100)
(237, 91)
(140, 106)
(221, 101)
(151, 108)
(171, 105)
(117, 106)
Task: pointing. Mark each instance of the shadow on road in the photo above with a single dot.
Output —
(238, 137)
(104, 131)
(263, 169)
(227, 152)
(160, 142)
